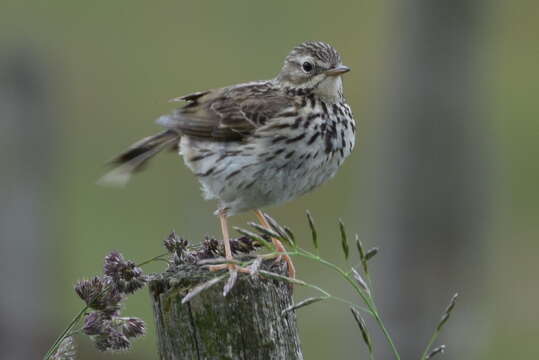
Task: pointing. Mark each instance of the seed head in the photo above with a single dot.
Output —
(344, 240)
(66, 350)
(371, 253)
(447, 312)
(112, 339)
(314, 234)
(96, 323)
(126, 276)
(131, 327)
(362, 284)
(175, 244)
(363, 328)
(99, 294)
(439, 350)
(210, 249)
(243, 244)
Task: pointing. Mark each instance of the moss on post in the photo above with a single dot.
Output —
(246, 324)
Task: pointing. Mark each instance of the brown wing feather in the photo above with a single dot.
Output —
(228, 114)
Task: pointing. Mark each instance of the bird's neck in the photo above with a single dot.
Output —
(330, 92)
(330, 89)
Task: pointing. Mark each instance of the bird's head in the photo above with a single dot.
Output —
(315, 66)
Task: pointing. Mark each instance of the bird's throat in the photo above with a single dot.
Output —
(330, 89)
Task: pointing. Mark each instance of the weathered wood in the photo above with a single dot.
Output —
(246, 324)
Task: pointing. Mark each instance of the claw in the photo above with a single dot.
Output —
(230, 267)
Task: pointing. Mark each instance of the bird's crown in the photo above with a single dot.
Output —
(316, 66)
(318, 50)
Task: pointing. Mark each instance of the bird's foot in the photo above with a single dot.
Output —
(230, 267)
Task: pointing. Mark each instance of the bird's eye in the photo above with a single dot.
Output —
(307, 67)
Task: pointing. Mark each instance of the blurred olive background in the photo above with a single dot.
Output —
(443, 180)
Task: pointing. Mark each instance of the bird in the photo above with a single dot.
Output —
(257, 144)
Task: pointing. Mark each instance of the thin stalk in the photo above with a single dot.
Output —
(158, 257)
(74, 332)
(369, 282)
(387, 335)
(367, 299)
(65, 333)
(314, 287)
(429, 345)
(364, 296)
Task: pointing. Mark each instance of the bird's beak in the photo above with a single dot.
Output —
(338, 70)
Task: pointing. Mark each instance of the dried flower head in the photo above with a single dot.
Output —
(175, 244)
(131, 327)
(110, 332)
(96, 323)
(210, 249)
(111, 340)
(243, 245)
(126, 276)
(99, 294)
(178, 247)
(103, 295)
(66, 350)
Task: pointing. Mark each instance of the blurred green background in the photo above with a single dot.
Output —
(104, 71)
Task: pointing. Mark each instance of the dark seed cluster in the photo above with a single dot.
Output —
(210, 248)
(103, 295)
(112, 332)
(127, 277)
(99, 294)
(177, 247)
(66, 350)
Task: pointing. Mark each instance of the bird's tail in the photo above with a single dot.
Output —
(136, 156)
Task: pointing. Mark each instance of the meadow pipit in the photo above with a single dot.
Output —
(260, 143)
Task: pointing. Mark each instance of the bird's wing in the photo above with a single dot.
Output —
(228, 114)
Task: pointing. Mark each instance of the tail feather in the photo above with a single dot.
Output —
(136, 156)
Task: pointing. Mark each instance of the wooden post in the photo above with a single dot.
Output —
(28, 153)
(429, 170)
(246, 324)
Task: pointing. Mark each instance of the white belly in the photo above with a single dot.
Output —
(258, 173)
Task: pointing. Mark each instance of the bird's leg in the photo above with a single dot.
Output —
(278, 245)
(226, 238)
(228, 250)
